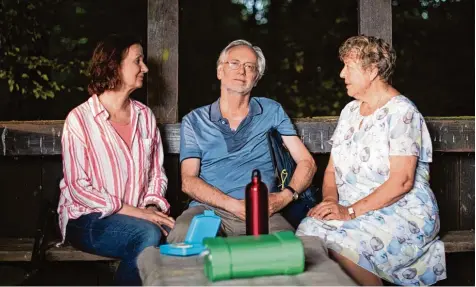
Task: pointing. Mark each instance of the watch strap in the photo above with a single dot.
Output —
(295, 193)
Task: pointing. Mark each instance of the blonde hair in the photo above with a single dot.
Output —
(371, 52)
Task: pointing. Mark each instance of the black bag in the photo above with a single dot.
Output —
(284, 166)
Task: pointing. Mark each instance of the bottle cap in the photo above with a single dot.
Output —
(256, 173)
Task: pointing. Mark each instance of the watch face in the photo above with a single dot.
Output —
(295, 196)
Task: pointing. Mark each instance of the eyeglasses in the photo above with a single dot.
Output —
(235, 65)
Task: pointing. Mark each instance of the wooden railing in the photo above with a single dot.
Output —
(35, 138)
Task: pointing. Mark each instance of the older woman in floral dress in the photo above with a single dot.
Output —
(379, 217)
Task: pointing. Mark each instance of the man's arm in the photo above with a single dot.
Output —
(302, 176)
(201, 191)
(305, 165)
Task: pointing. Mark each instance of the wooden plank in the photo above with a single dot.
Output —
(375, 18)
(171, 138)
(16, 249)
(68, 253)
(44, 138)
(30, 138)
(20, 249)
(452, 134)
(162, 59)
(466, 182)
(459, 241)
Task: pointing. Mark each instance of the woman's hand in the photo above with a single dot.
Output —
(158, 218)
(151, 214)
(328, 210)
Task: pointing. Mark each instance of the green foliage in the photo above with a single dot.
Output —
(300, 39)
(34, 48)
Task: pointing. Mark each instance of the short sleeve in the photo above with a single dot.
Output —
(189, 147)
(283, 123)
(408, 134)
(342, 122)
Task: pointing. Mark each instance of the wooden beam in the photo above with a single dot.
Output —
(33, 138)
(375, 18)
(459, 241)
(162, 59)
(19, 249)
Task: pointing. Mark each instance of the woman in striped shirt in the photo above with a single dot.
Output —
(112, 195)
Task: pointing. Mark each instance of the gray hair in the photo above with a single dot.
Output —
(261, 65)
(371, 51)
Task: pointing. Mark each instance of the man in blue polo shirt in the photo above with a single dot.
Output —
(222, 143)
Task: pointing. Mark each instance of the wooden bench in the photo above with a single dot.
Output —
(452, 179)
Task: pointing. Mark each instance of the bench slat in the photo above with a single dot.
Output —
(33, 138)
(69, 253)
(19, 249)
(15, 249)
(458, 241)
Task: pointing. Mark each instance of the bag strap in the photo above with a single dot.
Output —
(282, 160)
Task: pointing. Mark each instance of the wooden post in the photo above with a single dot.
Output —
(375, 18)
(162, 59)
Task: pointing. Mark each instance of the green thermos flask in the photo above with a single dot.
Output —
(280, 253)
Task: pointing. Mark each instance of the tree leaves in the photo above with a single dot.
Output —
(27, 28)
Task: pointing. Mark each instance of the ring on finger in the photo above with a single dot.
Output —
(329, 210)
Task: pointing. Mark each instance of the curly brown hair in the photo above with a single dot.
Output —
(106, 61)
(371, 51)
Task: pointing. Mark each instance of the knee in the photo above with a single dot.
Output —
(178, 234)
(278, 223)
(147, 237)
(182, 224)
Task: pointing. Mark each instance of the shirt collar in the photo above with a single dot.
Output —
(97, 107)
(215, 113)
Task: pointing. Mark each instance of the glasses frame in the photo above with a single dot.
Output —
(235, 65)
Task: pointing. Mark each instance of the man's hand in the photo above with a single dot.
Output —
(278, 200)
(158, 218)
(329, 210)
(237, 207)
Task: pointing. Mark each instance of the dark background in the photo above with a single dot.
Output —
(434, 41)
(45, 46)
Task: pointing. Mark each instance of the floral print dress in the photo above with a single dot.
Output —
(399, 242)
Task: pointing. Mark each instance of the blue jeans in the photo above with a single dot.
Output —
(117, 235)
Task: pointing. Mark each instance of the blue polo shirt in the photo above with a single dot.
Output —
(228, 157)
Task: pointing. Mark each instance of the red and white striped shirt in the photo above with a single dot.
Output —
(101, 172)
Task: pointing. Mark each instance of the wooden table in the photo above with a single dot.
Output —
(156, 269)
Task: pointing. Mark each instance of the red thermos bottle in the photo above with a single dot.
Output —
(256, 199)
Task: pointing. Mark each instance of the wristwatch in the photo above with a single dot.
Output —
(351, 212)
(295, 193)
